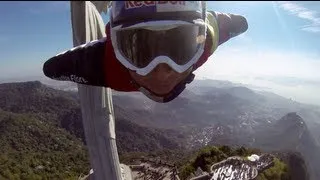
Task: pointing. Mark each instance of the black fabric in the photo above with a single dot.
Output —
(141, 46)
(82, 65)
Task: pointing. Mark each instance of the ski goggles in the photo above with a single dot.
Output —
(143, 46)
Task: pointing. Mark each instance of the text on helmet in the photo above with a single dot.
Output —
(137, 4)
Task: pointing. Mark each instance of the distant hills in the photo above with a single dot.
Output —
(210, 113)
(221, 113)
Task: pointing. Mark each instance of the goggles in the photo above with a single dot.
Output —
(141, 47)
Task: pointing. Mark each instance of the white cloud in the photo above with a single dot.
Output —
(290, 74)
(303, 13)
(314, 29)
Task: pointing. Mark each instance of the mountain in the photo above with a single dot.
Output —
(41, 133)
(63, 109)
(260, 104)
(232, 115)
(290, 133)
(34, 97)
(58, 107)
(226, 114)
(297, 165)
(134, 138)
(33, 148)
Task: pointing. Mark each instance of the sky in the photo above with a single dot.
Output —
(279, 52)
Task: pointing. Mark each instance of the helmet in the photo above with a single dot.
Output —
(147, 33)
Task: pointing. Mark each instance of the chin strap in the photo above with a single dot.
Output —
(168, 97)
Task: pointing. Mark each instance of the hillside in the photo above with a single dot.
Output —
(46, 124)
(164, 130)
(33, 149)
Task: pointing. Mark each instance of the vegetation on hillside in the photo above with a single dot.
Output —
(279, 171)
(33, 149)
(41, 137)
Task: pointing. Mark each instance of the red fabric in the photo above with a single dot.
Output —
(117, 76)
(206, 54)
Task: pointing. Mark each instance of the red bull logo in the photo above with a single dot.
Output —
(138, 4)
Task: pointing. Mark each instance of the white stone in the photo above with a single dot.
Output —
(253, 157)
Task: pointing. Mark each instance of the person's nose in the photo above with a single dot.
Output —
(163, 70)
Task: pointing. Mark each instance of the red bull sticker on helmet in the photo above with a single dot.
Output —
(165, 6)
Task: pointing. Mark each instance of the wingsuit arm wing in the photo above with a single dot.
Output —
(82, 64)
(230, 25)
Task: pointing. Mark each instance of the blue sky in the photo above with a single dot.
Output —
(280, 46)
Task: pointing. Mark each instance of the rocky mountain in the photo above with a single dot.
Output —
(291, 134)
(233, 115)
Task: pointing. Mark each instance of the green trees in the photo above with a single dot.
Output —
(279, 171)
(32, 149)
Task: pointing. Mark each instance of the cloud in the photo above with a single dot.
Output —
(239, 61)
(303, 13)
(289, 74)
(314, 29)
(291, 81)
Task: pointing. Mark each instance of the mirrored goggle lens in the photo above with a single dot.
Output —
(141, 46)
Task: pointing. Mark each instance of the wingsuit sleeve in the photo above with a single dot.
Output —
(82, 64)
(220, 28)
(230, 25)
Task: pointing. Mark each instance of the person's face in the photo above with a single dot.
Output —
(161, 80)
